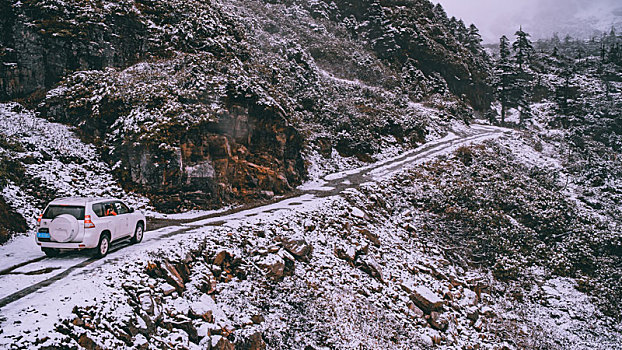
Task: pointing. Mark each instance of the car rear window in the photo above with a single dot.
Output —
(55, 210)
(99, 209)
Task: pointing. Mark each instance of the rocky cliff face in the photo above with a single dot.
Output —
(244, 155)
(41, 41)
(184, 147)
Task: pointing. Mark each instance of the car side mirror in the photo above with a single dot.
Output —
(131, 210)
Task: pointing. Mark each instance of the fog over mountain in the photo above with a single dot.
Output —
(541, 18)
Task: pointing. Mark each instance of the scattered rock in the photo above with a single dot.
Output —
(257, 319)
(273, 265)
(146, 303)
(427, 340)
(254, 342)
(173, 277)
(356, 212)
(185, 324)
(347, 253)
(427, 300)
(167, 289)
(371, 236)
(438, 321)
(470, 298)
(417, 312)
(309, 225)
(472, 313)
(298, 247)
(208, 282)
(87, 343)
(77, 322)
(371, 267)
(222, 344)
(153, 270)
(409, 227)
(203, 330)
(220, 257)
(200, 310)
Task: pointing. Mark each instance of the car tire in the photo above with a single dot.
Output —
(50, 252)
(103, 247)
(139, 232)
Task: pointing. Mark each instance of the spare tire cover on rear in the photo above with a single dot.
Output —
(64, 228)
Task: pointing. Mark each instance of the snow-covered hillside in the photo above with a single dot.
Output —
(359, 175)
(377, 266)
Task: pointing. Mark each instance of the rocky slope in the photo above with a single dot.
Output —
(196, 104)
(380, 266)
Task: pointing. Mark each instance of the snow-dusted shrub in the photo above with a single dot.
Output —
(510, 217)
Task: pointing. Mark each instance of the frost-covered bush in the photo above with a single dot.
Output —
(510, 217)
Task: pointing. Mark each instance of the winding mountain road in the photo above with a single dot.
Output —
(25, 279)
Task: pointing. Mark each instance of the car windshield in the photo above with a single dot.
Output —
(55, 210)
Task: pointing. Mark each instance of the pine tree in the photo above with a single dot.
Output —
(474, 39)
(505, 73)
(522, 48)
(461, 31)
(556, 41)
(504, 48)
(563, 92)
(453, 25)
(522, 95)
(439, 11)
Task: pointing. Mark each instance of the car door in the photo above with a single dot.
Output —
(123, 219)
(113, 223)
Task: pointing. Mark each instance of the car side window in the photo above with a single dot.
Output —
(110, 209)
(98, 209)
(121, 208)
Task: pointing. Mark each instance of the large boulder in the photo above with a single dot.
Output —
(423, 297)
(273, 266)
(298, 247)
(173, 276)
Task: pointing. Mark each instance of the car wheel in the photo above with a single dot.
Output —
(103, 247)
(138, 233)
(50, 251)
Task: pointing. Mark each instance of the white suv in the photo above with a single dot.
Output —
(86, 223)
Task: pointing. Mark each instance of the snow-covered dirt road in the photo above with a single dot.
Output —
(29, 280)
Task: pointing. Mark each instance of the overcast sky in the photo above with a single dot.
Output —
(541, 18)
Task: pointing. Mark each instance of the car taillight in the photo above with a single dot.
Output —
(39, 218)
(87, 222)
